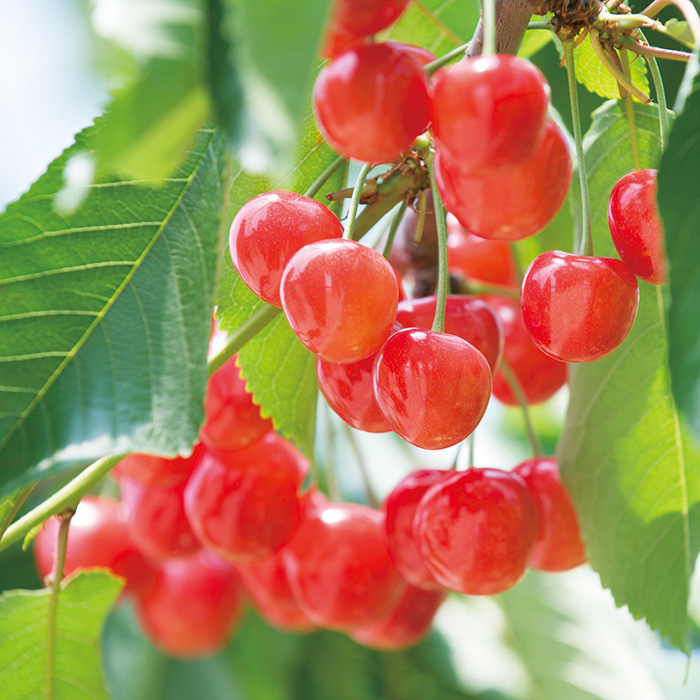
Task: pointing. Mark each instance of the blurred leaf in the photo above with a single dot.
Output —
(105, 316)
(534, 40)
(680, 210)
(681, 30)
(83, 604)
(591, 72)
(633, 474)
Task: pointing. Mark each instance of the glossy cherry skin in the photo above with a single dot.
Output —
(339, 567)
(243, 505)
(558, 545)
(158, 472)
(193, 607)
(478, 258)
(268, 230)
(514, 203)
(156, 521)
(365, 17)
(539, 375)
(489, 112)
(578, 308)
(400, 508)
(465, 316)
(372, 102)
(408, 623)
(232, 421)
(476, 530)
(340, 299)
(636, 227)
(433, 388)
(97, 538)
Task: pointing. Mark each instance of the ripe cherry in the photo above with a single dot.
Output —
(476, 530)
(432, 388)
(365, 17)
(636, 227)
(339, 567)
(372, 102)
(158, 472)
(243, 505)
(489, 112)
(268, 230)
(193, 607)
(340, 299)
(509, 204)
(578, 308)
(558, 545)
(400, 508)
(539, 375)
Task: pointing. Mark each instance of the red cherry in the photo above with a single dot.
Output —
(193, 607)
(232, 420)
(158, 472)
(433, 388)
(400, 508)
(489, 112)
(372, 102)
(479, 258)
(339, 567)
(243, 505)
(509, 204)
(465, 316)
(578, 308)
(476, 530)
(340, 299)
(636, 227)
(97, 538)
(156, 521)
(539, 375)
(423, 56)
(365, 17)
(268, 230)
(558, 545)
(408, 623)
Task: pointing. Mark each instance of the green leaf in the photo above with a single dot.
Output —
(83, 604)
(534, 40)
(591, 73)
(633, 474)
(105, 316)
(679, 206)
(681, 30)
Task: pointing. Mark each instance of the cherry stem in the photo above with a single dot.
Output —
(654, 51)
(331, 481)
(488, 19)
(587, 234)
(395, 222)
(372, 500)
(616, 73)
(355, 201)
(660, 98)
(443, 285)
(517, 389)
(470, 456)
(422, 207)
(17, 502)
(629, 109)
(685, 6)
(321, 180)
(453, 55)
(65, 518)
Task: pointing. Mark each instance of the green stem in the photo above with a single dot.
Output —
(331, 481)
(321, 180)
(443, 285)
(422, 209)
(517, 388)
(471, 449)
(446, 58)
(355, 201)
(372, 500)
(660, 98)
(619, 76)
(488, 19)
(19, 499)
(395, 222)
(629, 109)
(587, 238)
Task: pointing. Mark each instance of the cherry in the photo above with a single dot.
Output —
(432, 388)
(478, 258)
(339, 567)
(476, 530)
(465, 316)
(558, 545)
(158, 472)
(636, 227)
(423, 56)
(340, 299)
(509, 204)
(243, 505)
(539, 375)
(97, 538)
(406, 624)
(489, 112)
(371, 102)
(193, 607)
(578, 308)
(400, 508)
(365, 17)
(156, 521)
(232, 420)
(268, 230)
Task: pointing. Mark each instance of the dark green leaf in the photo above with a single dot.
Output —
(634, 476)
(105, 316)
(83, 604)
